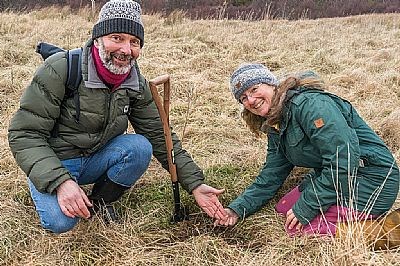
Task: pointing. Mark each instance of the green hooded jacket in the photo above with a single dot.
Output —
(352, 166)
(104, 114)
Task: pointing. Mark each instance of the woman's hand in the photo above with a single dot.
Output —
(292, 221)
(229, 220)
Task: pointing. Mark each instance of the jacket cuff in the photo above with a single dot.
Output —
(303, 212)
(53, 185)
(238, 209)
(190, 187)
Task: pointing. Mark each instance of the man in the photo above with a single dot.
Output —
(59, 148)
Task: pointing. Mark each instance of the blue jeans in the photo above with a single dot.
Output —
(124, 159)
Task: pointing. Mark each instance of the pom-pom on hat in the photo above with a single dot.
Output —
(248, 75)
(120, 16)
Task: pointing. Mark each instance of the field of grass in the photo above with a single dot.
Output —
(359, 58)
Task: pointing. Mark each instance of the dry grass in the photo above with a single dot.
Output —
(359, 57)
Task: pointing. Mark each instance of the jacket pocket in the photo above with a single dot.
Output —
(294, 136)
(368, 159)
(133, 94)
(273, 141)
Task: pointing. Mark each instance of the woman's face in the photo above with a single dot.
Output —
(257, 99)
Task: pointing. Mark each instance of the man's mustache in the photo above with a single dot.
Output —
(120, 56)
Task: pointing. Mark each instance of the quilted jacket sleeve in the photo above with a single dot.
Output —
(274, 172)
(145, 120)
(31, 125)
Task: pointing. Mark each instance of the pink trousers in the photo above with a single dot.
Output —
(323, 224)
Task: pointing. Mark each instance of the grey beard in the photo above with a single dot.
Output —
(108, 63)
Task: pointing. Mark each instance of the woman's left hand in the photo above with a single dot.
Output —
(292, 221)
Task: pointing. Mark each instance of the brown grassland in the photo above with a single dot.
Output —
(358, 57)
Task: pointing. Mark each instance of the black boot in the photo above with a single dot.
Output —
(104, 193)
(106, 211)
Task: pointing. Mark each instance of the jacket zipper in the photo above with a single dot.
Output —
(107, 112)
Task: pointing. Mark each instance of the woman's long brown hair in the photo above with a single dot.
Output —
(257, 123)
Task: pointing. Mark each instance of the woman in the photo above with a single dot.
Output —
(354, 175)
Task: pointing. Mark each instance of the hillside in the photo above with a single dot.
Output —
(358, 57)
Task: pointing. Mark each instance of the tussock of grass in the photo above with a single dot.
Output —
(357, 56)
(390, 130)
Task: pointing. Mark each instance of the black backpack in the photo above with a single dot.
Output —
(74, 74)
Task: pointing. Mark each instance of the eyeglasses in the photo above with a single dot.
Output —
(244, 98)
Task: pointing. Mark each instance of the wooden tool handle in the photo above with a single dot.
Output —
(160, 80)
(163, 110)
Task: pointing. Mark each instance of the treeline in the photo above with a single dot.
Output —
(260, 9)
(233, 9)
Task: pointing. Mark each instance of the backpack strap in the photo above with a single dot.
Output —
(74, 78)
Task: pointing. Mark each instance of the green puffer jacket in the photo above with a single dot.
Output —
(324, 132)
(103, 115)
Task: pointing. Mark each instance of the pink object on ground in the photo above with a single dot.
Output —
(322, 225)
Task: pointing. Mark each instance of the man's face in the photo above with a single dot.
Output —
(118, 51)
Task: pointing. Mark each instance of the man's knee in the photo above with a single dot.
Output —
(60, 224)
(140, 146)
(142, 156)
(132, 160)
(145, 144)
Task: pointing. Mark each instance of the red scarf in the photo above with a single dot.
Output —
(110, 79)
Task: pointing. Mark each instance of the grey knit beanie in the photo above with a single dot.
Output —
(120, 16)
(248, 75)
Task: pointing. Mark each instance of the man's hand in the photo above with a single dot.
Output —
(292, 221)
(207, 198)
(73, 200)
(230, 220)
